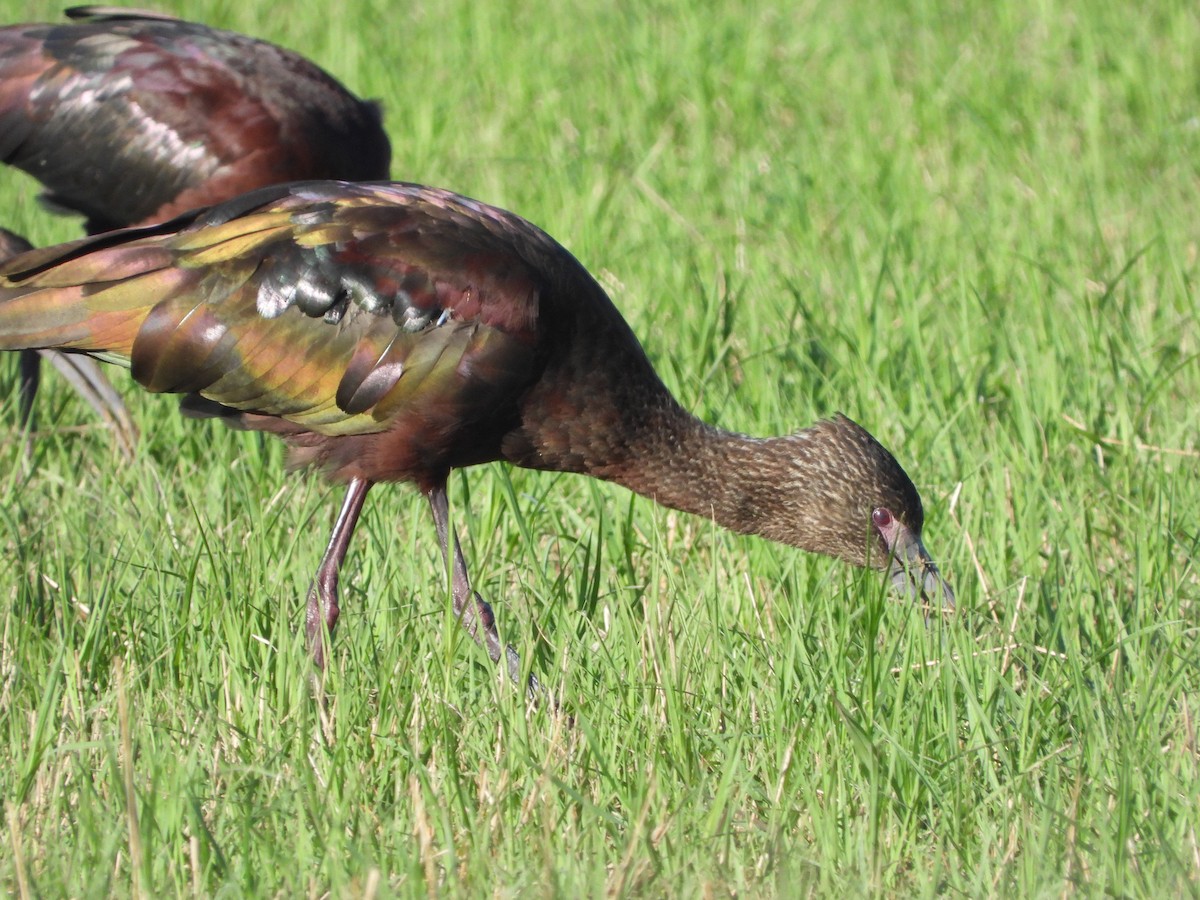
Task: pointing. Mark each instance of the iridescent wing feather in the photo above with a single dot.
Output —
(335, 308)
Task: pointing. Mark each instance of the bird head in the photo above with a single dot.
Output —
(845, 495)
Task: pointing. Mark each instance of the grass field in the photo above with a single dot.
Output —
(974, 231)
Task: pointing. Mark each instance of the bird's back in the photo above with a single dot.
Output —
(390, 331)
(130, 119)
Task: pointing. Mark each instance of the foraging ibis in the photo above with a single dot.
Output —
(394, 332)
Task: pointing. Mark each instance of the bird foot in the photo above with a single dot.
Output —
(533, 687)
(320, 618)
(480, 623)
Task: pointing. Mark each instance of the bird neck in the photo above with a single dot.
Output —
(684, 463)
(798, 489)
(600, 409)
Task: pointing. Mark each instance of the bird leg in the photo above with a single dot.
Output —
(89, 382)
(28, 378)
(477, 612)
(27, 384)
(321, 614)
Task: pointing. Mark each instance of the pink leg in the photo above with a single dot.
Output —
(322, 612)
(471, 609)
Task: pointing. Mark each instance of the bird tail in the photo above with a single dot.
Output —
(87, 295)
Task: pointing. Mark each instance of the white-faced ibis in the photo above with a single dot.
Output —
(130, 118)
(393, 332)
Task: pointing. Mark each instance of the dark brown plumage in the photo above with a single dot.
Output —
(393, 332)
(130, 118)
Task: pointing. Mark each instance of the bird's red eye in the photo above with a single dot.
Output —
(882, 517)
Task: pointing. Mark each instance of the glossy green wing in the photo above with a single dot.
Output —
(330, 305)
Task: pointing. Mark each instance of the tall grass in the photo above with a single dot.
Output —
(972, 229)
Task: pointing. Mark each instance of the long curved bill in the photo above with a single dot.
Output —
(913, 573)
